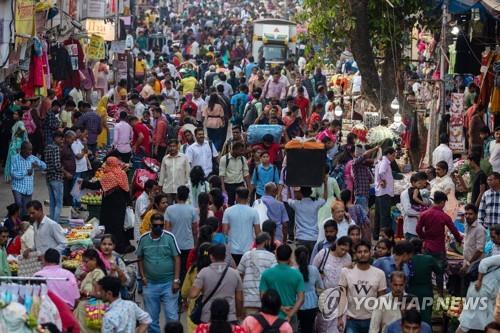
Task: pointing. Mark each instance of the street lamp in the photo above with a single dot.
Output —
(455, 31)
(395, 104)
(338, 111)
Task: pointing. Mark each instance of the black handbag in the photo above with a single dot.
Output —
(197, 310)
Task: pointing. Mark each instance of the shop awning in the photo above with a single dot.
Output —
(490, 7)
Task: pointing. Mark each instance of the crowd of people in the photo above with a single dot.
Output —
(218, 234)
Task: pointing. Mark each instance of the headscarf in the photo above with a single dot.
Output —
(114, 176)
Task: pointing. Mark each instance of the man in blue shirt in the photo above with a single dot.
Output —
(22, 175)
(249, 68)
(241, 223)
(238, 103)
(402, 253)
(276, 211)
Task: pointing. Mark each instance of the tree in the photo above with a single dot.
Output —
(373, 30)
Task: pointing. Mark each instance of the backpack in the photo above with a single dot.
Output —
(250, 114)
(266, 328)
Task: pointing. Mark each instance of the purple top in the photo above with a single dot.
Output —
(383, 171)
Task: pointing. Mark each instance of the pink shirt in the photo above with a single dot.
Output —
(348, 179)
(274, 90)
(66, 290)
(122, 136)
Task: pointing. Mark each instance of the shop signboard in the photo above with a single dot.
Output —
(98, 27)
(121, 65)
(457, 138)
(94, 9)
(25, 18)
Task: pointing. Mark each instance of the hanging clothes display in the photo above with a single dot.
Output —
(76, 55)
(36, 80)
(495, 97)
(487, 76)
(59, 62)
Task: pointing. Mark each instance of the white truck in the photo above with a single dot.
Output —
(274, 40)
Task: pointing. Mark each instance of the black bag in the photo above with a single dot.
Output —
(250, 115)
(266, 328)
(197, 310)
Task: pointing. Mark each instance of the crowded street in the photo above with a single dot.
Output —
(256, 166)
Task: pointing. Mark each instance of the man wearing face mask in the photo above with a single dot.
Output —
(251, 266)
(159, 266)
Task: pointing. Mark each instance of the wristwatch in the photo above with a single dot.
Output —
(177, 281)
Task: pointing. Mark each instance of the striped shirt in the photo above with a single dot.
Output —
(489, 209)
(21, 181)
(252, 265)
(158, 256)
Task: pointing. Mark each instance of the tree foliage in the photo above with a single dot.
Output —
(376, 31)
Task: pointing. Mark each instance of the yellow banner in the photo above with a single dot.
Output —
(25, 18)
(96, 50)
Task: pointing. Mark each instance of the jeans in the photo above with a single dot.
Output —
(21, 200)
(158, 294)
(409, 236)
(357, 325)
(92, 147)
(362, 201)
(383, 205)
(56, 198)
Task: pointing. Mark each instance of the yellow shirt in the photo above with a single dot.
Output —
(188, 85)
(140, 67)
(146, 221)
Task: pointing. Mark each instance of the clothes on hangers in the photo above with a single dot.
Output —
(12, 319)
(59, 62)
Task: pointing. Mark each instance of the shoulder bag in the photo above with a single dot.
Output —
(197, 310)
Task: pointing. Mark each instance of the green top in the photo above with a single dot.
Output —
(158, 256)
(287, 281)
(4, 265)
(420, 283)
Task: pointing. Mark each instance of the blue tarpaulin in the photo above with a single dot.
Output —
(486, 7)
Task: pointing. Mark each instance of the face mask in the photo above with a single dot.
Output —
(157, 230)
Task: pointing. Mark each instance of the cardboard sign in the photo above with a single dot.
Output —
(96, 50)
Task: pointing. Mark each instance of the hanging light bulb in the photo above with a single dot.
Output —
(338, 111)
(455, 31)
(397, 118)
(395, 104)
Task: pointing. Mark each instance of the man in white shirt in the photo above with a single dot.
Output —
(142, 204)
(201, 152)
(386, 311)
(495, 151)
(195, 49)
(171, 97)
(129, 41)
(443, 153)
(137, 105)
(200, 103)
(48, 233)
(410, 215)
(174, 171)
(228, 90)
(80, 152)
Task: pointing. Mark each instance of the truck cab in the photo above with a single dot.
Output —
(274, 40)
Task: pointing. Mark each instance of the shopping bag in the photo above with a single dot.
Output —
(128, 223)
(261, 208)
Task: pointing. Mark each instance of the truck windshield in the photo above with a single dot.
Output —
(274, 52)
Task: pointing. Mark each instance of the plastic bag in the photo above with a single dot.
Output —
(128, 223)
(261, 210)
